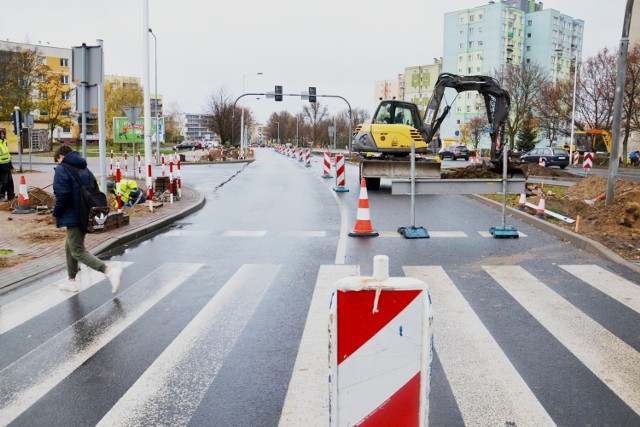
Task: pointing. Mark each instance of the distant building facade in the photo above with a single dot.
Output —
(484, 39)
(419, 81)
(195, 126)
(388, 89)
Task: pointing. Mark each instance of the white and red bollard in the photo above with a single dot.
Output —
(179, 180)
(193, 151)
(126, 164)
(307, 156)
(149, 187)
(170, 182)
(340, 175)
(576, 158)
(111, 164)
(301, 154)
(587, 162)
(118, 188)
(139, 167)
(162, 161)
(327, 165)
(380, 350)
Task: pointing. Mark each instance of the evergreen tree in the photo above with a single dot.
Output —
(528, 135)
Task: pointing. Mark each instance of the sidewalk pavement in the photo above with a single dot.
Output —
(47, 256)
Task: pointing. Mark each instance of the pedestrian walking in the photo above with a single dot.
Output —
(7, 190)
(66, 210)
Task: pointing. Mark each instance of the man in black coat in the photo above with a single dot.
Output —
(66, 210)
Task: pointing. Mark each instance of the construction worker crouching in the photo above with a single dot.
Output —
(130, 194)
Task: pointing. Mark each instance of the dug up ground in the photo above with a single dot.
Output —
(616, 227)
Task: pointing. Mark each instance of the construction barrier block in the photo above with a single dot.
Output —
(380, 350)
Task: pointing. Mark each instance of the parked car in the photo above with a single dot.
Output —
(455, 152)
(188, 145)
(551, 156)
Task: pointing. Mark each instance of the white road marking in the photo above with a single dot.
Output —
(187, 233)
(447, 234)
(488, 234)
(303, 233)
(488, 389)
(182, 374)
(31, 305)
(612, 360)
(622, 290)
(244, 233)
(35, 374)
(307, 396)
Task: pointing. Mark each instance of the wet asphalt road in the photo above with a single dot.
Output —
(208, 324)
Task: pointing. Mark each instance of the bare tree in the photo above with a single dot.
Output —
(553, 108)
(474, 129)
(631, 106)
(225, 120)
(524, 84)
(315, 113)
(596, 91)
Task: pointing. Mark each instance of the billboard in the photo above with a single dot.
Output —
(124, 132)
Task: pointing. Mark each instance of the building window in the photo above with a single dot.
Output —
(480, 43)
(528, 61)
(459, 109)
(64, 80)
(471, 30)
(66, 112)
(462, 19)
(468, 108)
(528, 35)
(461, 58)
(462, 32)
(66, 96)
(43, 95)
(528, 48)
(461, 45)
(479, 17)
(470, 45)
(529, 22)
(477, 69)
(471, 18)
(470, 57)
(64, 62)
(479, 29)
(44, 112)
(478, 56)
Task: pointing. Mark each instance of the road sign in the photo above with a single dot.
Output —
(587, 163)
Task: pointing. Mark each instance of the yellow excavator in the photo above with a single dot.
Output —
(384, 145)
(593, 140)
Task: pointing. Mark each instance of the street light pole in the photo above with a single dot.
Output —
(297, 136)
(155, 109)
(573, 109)
(242, 136)
(278, 140)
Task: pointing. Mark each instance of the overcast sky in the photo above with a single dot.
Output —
(339, 46)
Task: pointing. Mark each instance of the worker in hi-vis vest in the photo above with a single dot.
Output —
(130, 194)
(7, 191)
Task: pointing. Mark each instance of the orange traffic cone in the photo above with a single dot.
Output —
(23, 199)
(363, 227)
(541, 208)
(522, 201)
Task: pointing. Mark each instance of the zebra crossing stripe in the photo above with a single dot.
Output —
(306, 401)
(616, 287)
(29, 306)
(486, 386)
(35, 374)
(183, 373)
(187, 233)
(612, 360)
(244, 233)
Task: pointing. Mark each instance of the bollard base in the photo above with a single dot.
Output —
(504, 232)
(414, 232)
(340, 189)
(327, 176)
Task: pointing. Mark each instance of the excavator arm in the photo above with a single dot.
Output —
(496, 99)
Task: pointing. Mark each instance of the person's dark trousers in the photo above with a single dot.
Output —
(6, 182)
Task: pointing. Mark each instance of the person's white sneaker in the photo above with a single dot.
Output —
(69, 286)
(114, 274)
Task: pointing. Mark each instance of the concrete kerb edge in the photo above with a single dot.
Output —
(148, 229)
(575, 239)
(114, 242)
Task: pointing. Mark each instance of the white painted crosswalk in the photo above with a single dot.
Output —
(486, 383)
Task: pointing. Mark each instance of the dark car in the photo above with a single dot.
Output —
(188, 145)
(455, 152)
(551, 156)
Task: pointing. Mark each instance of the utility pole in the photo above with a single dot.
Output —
(617, 106)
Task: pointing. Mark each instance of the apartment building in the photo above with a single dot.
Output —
(195, 126)
(484, 39)
(58, 60)
(388, 89)
(419, 82)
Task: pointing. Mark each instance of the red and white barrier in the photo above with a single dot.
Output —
(149, 187)
(179, 180)
(170, 182)
(380, 350)
(126, 164)
(542, 162)
(307, 157)
(162, 161)
(327, 165)
(587, 162)
(111, 164)
(301, 155)
(340, 175)
(576, 158)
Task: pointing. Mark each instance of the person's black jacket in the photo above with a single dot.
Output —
(67, 190)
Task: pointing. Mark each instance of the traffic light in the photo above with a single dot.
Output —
(312, 94)
(278, 93)
(17, 121)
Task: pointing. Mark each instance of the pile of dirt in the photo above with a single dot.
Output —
(617, 226)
